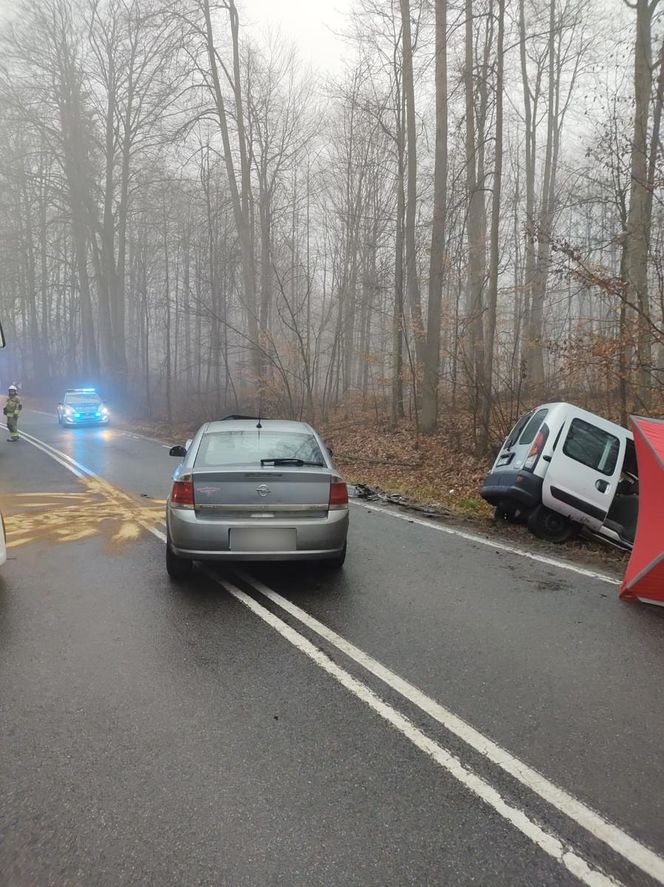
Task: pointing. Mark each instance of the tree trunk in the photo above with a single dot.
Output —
(492, 290)
(240, 197)
(438, 231)
(530, 124)
(535, 356)
(412, 284)
(636, 242)
(475, 279)
(398, 316)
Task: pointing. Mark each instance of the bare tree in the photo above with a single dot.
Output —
(638, 223)
(438, 231)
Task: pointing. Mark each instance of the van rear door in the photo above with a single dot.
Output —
(584, 471)
(519, 441)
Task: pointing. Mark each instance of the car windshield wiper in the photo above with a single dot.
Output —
(298, 462)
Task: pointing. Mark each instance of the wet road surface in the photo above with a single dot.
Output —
(440, 712)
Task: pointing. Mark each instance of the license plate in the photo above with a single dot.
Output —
(263, 539)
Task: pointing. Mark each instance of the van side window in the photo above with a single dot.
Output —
(532, 427)
(591, 446)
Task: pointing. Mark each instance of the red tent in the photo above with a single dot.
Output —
(644, 577)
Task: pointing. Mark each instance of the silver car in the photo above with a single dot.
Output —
(255, 490)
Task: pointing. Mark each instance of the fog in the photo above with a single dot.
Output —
(310, 210)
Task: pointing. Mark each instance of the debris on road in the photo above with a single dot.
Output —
(375, 494)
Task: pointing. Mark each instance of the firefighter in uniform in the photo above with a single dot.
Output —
(12, 411)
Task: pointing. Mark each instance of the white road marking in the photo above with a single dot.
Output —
(54, 455)
(135, 436)
(628, 847)
(81, 471)
(544, 839)
(491, 543)
(615, 838)
(130, 434)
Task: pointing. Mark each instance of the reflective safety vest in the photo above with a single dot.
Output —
(13, 407)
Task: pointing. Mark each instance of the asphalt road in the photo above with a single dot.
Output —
(442, 712)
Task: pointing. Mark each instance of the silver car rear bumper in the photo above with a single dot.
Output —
(208, 539)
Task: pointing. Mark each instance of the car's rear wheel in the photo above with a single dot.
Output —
(177, 567)
(336, 563)
(550, 526)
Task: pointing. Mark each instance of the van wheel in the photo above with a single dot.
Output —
(550, 526)
(508, 512)
(177, 567)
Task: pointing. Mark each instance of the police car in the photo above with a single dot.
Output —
(82, 406)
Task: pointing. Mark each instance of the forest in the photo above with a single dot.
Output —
(465, 221)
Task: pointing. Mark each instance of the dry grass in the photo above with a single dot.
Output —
(429, 470)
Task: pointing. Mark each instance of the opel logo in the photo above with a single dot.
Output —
(263, 490)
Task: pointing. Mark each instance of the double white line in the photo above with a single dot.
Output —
(631, 850)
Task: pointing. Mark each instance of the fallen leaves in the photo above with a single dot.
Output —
(429, 469)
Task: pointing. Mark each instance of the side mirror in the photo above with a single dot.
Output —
(2, 337)
(179, 452)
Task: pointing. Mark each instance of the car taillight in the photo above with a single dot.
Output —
(182, 494)
(338, 494)
(537, 447)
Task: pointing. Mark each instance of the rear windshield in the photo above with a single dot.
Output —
(81, 398)
(532, 427)
(513, 436)
(222, 448)
(591, 446)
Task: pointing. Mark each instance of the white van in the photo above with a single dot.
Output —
(562, 468)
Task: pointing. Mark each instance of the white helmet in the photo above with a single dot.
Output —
(13, 389)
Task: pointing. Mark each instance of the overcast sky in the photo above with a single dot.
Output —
(310, 24)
